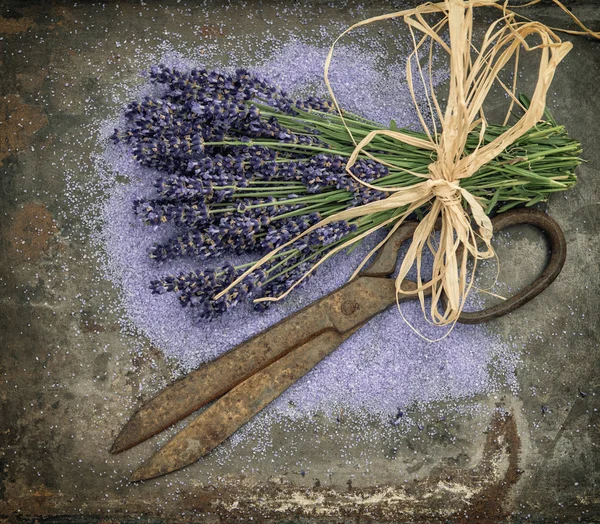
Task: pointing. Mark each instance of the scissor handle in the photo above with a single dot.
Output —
(558, 255)
(385, 261)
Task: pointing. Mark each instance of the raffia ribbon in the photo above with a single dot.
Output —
(472, 73)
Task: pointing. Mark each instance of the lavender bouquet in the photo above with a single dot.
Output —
(241, 167)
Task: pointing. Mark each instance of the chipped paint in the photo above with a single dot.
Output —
(456, 488)
(13, 26)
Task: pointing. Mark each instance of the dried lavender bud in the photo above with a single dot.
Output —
(368, 171)
(156, 211)
(234, 232)
(198, 288)
(323, 171)
(329, 234)
(281, 233)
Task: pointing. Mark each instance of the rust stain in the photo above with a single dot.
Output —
(32, 82)
(64, 15)
(488, 504)
(211, 31)
(114, 58)
(13, 26)
(31, 231)
(18, 123)
(86, 327)
(43, 492)
(350, 307)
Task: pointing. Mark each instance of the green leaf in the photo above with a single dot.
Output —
(393, 125)
(493, 201)
(535, 200)
(508, 206)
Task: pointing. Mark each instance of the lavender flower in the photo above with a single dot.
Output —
(156, 211)
(227, 196)
(234, 232)
(197, 289)
(279, 234)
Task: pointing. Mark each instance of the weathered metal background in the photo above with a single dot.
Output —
(65, 369)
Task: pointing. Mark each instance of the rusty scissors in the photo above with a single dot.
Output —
(246, 379)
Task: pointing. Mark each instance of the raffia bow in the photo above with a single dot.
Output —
(472, 74)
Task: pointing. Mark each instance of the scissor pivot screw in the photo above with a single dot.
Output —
(349, 308)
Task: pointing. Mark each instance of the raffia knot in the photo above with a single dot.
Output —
(446, 191)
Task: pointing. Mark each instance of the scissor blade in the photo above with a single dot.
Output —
(236, 408)
(348, 308)
(345, 308)
(342, 310)
(211, 380)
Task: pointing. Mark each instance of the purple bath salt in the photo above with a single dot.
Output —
(380, 369)
(356, 79)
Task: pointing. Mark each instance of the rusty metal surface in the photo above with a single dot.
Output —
(69, 376)
(449, 493)
(227, 414)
